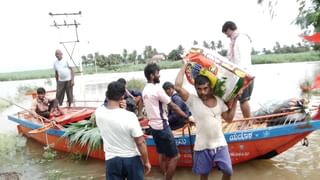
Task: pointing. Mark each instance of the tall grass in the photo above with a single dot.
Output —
(285, 58)
(23, 75)
(3, 105)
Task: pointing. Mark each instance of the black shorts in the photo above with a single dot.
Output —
(165, 142)
(124, 168)
(245, 96)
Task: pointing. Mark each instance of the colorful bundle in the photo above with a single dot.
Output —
(227, 79)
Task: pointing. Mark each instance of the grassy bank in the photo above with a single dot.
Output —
(256, 59)
(284, 58)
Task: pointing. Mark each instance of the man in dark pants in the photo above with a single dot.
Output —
(64, 75)
(239, 53)
(123, 141)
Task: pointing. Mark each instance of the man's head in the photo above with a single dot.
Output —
(203, 87)
(41, 93)
(122, 80)
(228, 28)
(115, 91)
(168, 88)
(58, 54)
(151, 72)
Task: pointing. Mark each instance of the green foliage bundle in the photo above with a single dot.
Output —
(84, 133)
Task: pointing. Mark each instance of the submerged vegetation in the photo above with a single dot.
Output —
(10, 146)
(49, 154)
(136, 84)
(3, 105)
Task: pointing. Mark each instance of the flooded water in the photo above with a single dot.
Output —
(281, 81)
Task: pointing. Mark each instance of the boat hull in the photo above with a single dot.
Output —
(243, 145)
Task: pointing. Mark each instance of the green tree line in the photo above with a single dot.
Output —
(151, 54)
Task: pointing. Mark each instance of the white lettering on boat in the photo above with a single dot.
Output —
(181, 141)
(240, 136)
(239, 154)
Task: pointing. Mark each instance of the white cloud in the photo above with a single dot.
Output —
(28, 41)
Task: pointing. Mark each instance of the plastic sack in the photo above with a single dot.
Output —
(227, 79)
(282, 106)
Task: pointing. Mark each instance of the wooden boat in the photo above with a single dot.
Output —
(246, 141)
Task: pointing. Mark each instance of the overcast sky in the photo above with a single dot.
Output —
(28, 41)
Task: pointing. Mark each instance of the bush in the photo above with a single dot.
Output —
(136, 84)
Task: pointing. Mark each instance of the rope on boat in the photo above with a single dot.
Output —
(38, 117)
(305, 142)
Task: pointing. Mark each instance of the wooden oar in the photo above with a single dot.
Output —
(55, 122)
(42, 119)
(10, 102)
(25, 109)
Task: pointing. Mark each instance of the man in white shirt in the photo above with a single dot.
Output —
(239, 53)
(123, 141)
(210, 148)
(64, 75)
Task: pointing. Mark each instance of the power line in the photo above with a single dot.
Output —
(64, 14)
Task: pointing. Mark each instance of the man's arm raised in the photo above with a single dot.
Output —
(184, 94)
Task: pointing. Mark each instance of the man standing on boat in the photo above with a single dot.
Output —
(155, 101)
(210, 147)
(239, 53)
(64, 77)
(123, 141)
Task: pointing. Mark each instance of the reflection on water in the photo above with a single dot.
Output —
(272, 82)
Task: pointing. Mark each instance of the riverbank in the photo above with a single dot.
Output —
(130, 67)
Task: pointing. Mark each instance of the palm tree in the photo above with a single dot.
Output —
(213, 45)
(84, 60)
(124, 55)
(180, 49)
(205, 44)
(195, 42)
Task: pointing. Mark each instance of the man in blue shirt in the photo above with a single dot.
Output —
(133, 99)
(175, 120)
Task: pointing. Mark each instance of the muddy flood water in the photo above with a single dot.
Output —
(22, 158)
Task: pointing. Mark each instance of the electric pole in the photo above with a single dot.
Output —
(74, 24)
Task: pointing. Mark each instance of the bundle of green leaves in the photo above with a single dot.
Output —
(84, 133)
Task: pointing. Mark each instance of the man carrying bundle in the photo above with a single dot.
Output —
(239, 53)
(210, 148)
